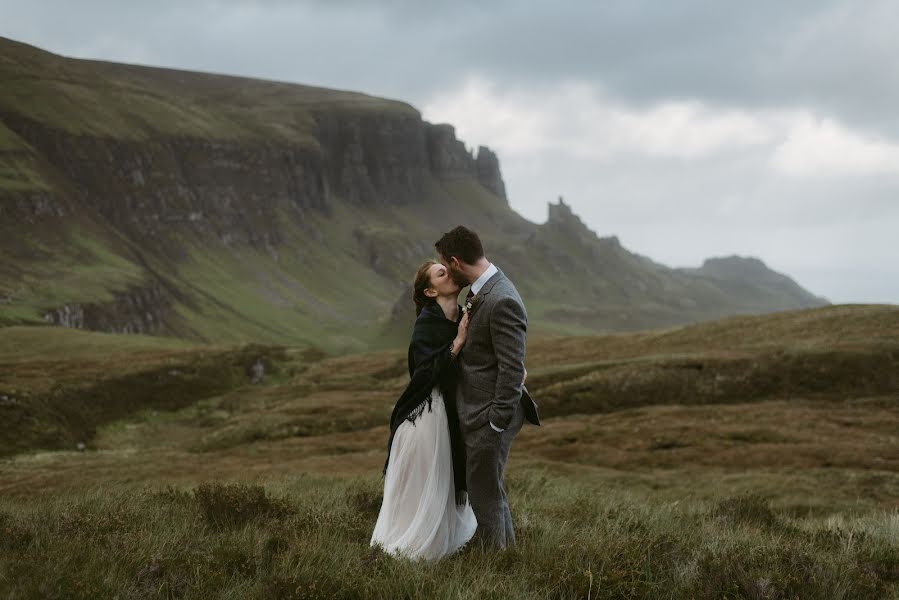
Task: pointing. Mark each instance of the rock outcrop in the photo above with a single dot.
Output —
(561, 215)
(450, 159)
(139, 309)
(448, 156)
(488, 172)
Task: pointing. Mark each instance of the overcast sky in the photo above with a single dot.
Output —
(689, 129)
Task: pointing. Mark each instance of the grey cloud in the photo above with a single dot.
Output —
(834, 56)
(763, 54)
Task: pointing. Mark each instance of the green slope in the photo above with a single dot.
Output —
(227, 209)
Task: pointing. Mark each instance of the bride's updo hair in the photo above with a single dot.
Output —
(422, 282)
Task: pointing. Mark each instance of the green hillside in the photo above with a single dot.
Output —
(223, 209)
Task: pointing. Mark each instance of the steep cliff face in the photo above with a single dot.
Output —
(373, 158)
(223, 187)
(218, 187)
(450, 159)
(488, 172)
(143, 200)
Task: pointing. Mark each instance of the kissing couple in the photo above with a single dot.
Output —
(453, 426)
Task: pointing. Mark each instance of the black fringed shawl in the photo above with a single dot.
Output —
(430, 365)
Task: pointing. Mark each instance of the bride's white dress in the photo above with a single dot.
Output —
(419, 517)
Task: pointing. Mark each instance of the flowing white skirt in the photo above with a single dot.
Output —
(419, 517)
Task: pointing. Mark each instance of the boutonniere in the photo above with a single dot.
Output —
(470, 305)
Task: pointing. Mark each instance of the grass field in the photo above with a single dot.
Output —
(752, 457)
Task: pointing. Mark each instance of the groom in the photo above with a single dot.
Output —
(491, 398)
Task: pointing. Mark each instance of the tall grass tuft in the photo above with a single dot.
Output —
(236, 504)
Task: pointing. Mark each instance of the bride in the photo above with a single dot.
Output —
(425, 511)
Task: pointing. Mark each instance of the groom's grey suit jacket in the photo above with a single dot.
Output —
(492, 360)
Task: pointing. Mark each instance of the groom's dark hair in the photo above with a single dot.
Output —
(461, 242)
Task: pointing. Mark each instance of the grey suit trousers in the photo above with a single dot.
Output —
(486, 454)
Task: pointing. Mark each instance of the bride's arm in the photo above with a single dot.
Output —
(423, 358)
(461, 336)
